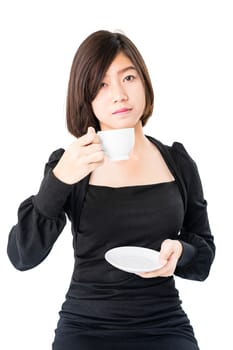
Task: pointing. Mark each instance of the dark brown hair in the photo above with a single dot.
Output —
(90, 63)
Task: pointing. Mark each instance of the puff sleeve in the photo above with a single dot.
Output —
(41, 219)
(195, 235)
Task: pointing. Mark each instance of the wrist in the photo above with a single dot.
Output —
(60, 176)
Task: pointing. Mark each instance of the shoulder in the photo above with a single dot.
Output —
(177, 152)
(182, 156)
(180, 161)
(56, 155)
(53, 159)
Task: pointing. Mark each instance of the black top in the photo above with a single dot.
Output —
(134, 215)
(103, 217)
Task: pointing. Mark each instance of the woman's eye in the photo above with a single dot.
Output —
(129, 78)
(102, 85)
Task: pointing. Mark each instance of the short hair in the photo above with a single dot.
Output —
(90, 63)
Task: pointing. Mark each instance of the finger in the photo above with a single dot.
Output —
(88, 137)
(96, 138)
(165, 271)
(90, 129)
(153, 273)
(95, 157)
(169, 268)
(92, 148)
(165, 251)
(172, 263)
(150, 274)
(94, 165)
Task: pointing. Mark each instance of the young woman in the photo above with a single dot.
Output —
(154, 200)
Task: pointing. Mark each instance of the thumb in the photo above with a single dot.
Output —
(88, 137)
(165, 252)
(90, 130)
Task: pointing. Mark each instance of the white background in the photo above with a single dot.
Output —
(187, 46)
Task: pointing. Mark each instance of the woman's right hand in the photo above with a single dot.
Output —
(82, 157)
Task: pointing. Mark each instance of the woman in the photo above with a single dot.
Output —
(154, 199)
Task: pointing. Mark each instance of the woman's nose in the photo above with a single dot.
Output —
(118, 93)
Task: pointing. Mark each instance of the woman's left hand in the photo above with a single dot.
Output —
(170, 253)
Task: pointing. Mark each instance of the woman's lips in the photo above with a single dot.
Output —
(121, 110)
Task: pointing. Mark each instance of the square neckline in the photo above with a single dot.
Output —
(146, 184)
(132, 186)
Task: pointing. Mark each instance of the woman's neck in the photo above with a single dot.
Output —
(141, 144)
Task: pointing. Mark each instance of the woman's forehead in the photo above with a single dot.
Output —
(120, 64)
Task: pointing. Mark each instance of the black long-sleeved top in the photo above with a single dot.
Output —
(41, 218)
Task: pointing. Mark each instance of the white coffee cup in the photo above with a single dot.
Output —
(117, 143)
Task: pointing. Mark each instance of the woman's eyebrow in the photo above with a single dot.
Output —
(123, 70)
(126, 69)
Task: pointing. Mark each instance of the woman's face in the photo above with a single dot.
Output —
(120, 101)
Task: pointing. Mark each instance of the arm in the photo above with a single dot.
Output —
(195, 235)
(191, 255)
(41, 219)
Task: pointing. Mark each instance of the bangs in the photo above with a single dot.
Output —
(102, 60)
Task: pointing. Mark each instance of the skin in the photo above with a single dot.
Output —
(120, 103)
(120, 88)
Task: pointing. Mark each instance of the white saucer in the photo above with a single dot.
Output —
(133, 259)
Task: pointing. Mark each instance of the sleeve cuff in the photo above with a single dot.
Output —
(52, 195)
(189, 251)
